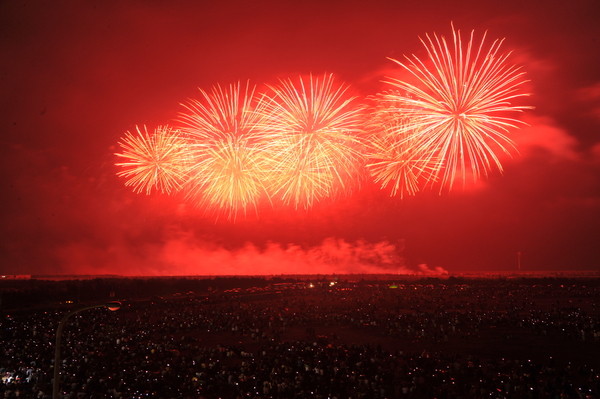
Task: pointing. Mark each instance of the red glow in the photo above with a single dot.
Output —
(77, 75)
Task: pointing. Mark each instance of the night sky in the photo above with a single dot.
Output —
(76, 75)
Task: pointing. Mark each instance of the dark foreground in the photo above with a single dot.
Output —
(256, 338)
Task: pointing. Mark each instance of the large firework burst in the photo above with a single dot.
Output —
(228, 172)
(313, 127)
(154, 161)
(460, 104)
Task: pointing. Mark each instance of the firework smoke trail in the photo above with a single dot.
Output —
(229, 171)
(393, 157)
(460, 104)
(154, 161)
(314, 130)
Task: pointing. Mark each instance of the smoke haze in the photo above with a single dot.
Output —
(184, 255)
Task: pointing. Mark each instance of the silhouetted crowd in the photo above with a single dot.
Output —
(420, 339)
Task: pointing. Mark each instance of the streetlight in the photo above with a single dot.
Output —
(113, 306)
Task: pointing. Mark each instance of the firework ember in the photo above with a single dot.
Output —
(460, 104)
(314, 129)
(154, 161)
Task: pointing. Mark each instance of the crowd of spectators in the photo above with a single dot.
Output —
(414, 339)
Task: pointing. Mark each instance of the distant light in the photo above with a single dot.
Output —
(113, 306)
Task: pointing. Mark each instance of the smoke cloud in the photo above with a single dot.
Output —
(184, 255)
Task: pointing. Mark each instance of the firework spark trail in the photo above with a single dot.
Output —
(313, 128)
(229, 169)
(154, 161)
(460, 104)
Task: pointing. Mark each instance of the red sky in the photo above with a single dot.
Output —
(75, 75)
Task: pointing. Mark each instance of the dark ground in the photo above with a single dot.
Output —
(549, 327)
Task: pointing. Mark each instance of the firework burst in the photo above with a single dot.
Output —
(394, 160)
(460, 106)
(228, 172)
(313, 127)
(154, 161)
